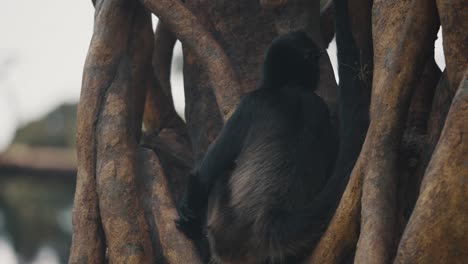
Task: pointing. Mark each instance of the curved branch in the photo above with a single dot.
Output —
(159, 106)
(341, 235)
(438, 229)
(175, 248)
(109, 121)
(159, 109)
(191, 33)
(393, 80)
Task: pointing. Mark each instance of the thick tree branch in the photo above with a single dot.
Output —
(109, 122)
(440, 107)
(437, 231)
(423, 95)
(392, 87)
(339, 239)
(418, 140)
(174, 247)
(159, 107)
(392, 84)
(192, 34)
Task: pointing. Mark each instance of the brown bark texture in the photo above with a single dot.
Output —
(108, 126)
(394, 80)
(135, 153)
(173, 246)
(159, 110)
(437, 231)
(190, 32)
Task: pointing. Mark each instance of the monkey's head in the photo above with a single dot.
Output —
(292, 59)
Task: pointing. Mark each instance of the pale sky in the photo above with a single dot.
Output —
(43, 45)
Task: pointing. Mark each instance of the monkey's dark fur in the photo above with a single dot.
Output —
(256, 185)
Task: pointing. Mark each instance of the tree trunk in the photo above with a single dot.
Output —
(405, 198)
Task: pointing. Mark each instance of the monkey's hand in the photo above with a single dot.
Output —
(189, 222)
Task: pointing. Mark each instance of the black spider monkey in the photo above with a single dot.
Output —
(269, 184)
(260, 176)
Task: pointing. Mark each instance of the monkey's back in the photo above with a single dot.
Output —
(262, 204)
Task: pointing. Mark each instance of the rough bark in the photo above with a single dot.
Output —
(109, 121)
(354, 120)
(88, 242)
(454, 20)
(394, 79)
(418, 140)
(117, 130)
(159, 111)
(437, 231)
(132, 191)
(392, 82)
(173, 247)
(440, 106)
(421, 100)
(191, 33)
(159, 107)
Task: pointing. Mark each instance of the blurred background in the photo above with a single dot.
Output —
(43, 46)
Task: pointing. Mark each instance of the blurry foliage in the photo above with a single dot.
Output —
(56, 129)
(36, 213)
(35, 209)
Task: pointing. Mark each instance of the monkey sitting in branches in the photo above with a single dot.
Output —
(254, 194)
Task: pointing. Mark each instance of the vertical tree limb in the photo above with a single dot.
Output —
(159, 110)
(437, 231)
(440, 106)
(88, 242)
(394, 78)
(174, 247)
(159, 107)
(338, 241)
(423, 95)
(191, 33)
(415, 151)
(108, 127)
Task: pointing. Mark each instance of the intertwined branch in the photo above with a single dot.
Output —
(126, 194)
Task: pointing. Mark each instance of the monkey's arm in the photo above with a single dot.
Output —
(219, 158)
